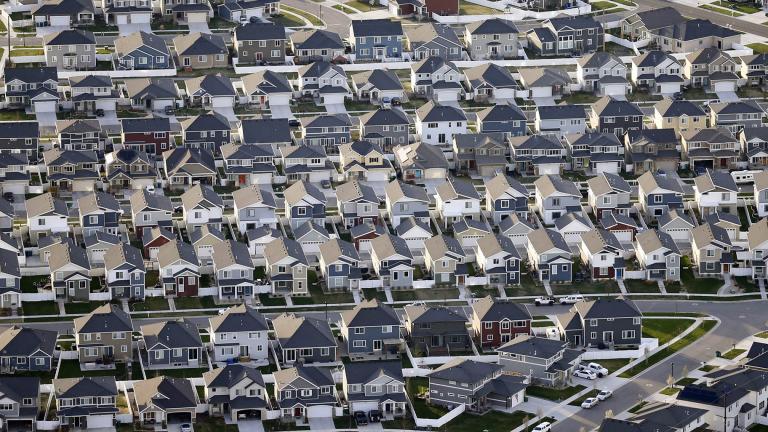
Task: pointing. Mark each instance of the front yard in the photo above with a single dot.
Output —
(195, 303)
(81, 308)
(553, 394)
(692, 285)
(425, 294)
(641, 286)
(40, 308)
(587, 287)
(151, 304)
(664, 329)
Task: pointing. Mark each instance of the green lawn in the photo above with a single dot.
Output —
(11, 115)
(492, 421)
(425, 294)
(71, 369)
(467, 8)
(542, 323)
(268, 300)
(733, 353)
(213, 424)
(81, 308)
(364, 6)
(641, 286)
(22, 52)
(695, 93)
(29, 283)
(287, 21)
(552, 393)
(587, 287)
(758, 428)
(481, 291)
(528, 287)
(177, 373)
(762, 334)
(580, 98)
(747, 8)
(758, 48)
(195, 303)
(670, 391)
(151, 304)
(420, 385)
(721, 10)
(613, 364)
(373, 293)
(308, 16)
(321, 297)
(707, 368)
(40, 308)
(601, 5)
(693, 285)
(664, 329)
(746, 284)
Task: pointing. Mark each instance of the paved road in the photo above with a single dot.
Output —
(694, 12)
(335, 21)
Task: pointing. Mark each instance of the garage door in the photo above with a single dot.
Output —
(572, 237)
(121, 19)
(725, 86)
(100, 421)
(541, 92)
(446, 96)
(105, 104)
(197, 17)
(45, 106)
(678, 234)
(60, 20)
(320, 411)
(363, 406)
(222, 102)
(141, 18)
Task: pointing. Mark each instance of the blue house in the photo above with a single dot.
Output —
(505, 196)
(550, 255)
(99, 211)
(376, 39)
(371, 331)
(508, 119)
(172, 343)
(304, 203)
(659, 193)
(142, 51)
(26, 349)
(340, 264)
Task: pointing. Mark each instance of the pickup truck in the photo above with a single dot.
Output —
(596, 368)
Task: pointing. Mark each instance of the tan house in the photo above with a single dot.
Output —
(691, 35)
(201, 51)
(680, 115)
(104, 336)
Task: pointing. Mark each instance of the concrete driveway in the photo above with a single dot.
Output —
(281, 111)
(109, 118)
(727, 96)
(126, 29)
(46, 118)
(544, 101)
(199, 27)
(227, 112)
(42, 31)
(321, 424)
(250, 425)
(335, 108)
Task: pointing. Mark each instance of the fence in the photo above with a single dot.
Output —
(442, 421)
(37, 297)
(512, 15)
(647, 345)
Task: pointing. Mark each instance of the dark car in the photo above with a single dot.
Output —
(360, 418)
(294, 123)
(169, 109)
(8, 196)
(374, 416)
(99, 112)
(396, 101)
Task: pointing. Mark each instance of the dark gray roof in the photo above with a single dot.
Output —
(607, 308)
(384, 117)
(326, 120)
(266, 81)
(212, 84)
(9, 263)
(316, 375)
(165, 393)
(293, 331)
(199, 44)
(205, 122)
(492, 26)
(231, 252)
(370, 313)
(456, 188)
(695, 29)
(308, 227)
(608, 106)
(410, 222)
(376, 27)
(260, 31)
(171, 334)
(23, 342)
(266, 131)
(659, 18)
(488, 309)
(387, 245)
(561, 112)
(176, 250)
(382, 79)
(316, 39)
(70, 37)
(150, 124)
(163, 88)
(364, 372)
(134, 41)
(490, 74)
(574, 22)
(232, 374)
(501, 113)
(31, 75)
(123, 253)
(85, 386)
(532, 346)
(465, 371)
(419, 314)
(240, 318)
(652, 58)
(106, 318)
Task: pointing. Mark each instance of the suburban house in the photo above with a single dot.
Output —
(736, 115)
(615, 115)
(601, 251)
(567, 36)
(544, 361)
(444, 259)
(385, 127)
(659, 193)
(312, 45)
(179, 269)
(27, 350)
(304, 202)
(596, 152)
(549, 255)
(711, 249)
(478, 386)
(692, 34)
(254, 206)
(419, 162)
(171, 344)
(86, 402)
(376, 39)
(437, 79)
(436, 124)
(371, 330)
(505, 196)
(498, 258)
(492, 39)
(754, 144)
(124, 272)
(716, 191)
(651, 150)
(713, 148)
(392, 261)
(70, 271)
(710, 69)
(680, 115)
(303, 339)
(657, 72)
(286, 267)
(21, 396)
(46, 216)
(340, 265)
(506, 118)
(240, 332)
(433, 39)
(609, 193)
(260, 43)
(658, 255)
(555, 196)
(233, 270)
(150, 210)
(375, 385)
(250, 164)
(142, 51)
(201, 206)
(303, 389)
(378, 86)
(495, 323)
(483, 154)
(103, 336)
(436, 330)
(457, 200)
(603, 73)
(70, 49)
(560, 120)
(163, 398)
(99, 211)
(237, 391)
(365, 160)
(404, 200)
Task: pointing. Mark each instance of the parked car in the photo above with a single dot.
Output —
(186, 427)
(374, 416)
(571, 299)
(596, 368)
(99, 112)
(294, 123)
(543, 427)
(169, 110)
(589, 403)
(604, 394)
(545, 300)
(361, 418)
(586, 374)
(8, 196)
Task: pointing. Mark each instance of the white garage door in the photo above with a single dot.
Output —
(222, 102)
(446, 96)
(99, 421)
(363, 406)
(160, 104)
(105, 104)
(572, 237)
(121, 19)
(141, 18)
(541, 92)
(45, 106)
(197, 17)
(678, 234)
(320, 411)
(725, 86)
(518, 239)
(60, 20)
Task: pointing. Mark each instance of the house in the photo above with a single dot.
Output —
(608, 193)
(658, 255)
(286, 267)
(555, 196)
(152, 239)
(206, 132)
(623, 226)
(260, 43)
(571, 226)
(444, 259)
(415, 232)
(498, 258)
(142, 51)
(304, 390)
(385, 127)
(375, 385)
(378, 86)
(210, 91)
(736, 115)
(242, 11)
(549, 255)
(130, 169)
(272, 132)
(308, 163)
(492, 39)
(203, 239)
(313, 45)
(7, 215)
(435, 330)
(46, 216)
(756, 236)
(680, 115)
(21, 396)
(233, 270)
(59, 13)
(237, 391)
(615, 115)
(70, 271)
(92, 92)
(657, 72)
(14, 174)
(83, 57)
(125, 272)
(677, 224)
(670, 417)
(602, 252)
(603, 73)
(730, 222)
(715, 191)
(754, 145)
(129, 12)
(419, 162)
(651, 150)
(362, 235)
(516, 229)
(478, 386)
(481, 154)
(548, 82)
(711, 250)
(303, 339)
(506, 118)
(36, 88)
(339, 264)
(689, 35)
(457, 200)
(179, 269)
(310, 236)
(371, 330)
(760, 194)
(326, 130)
(544, 361)
(70, 170)
(240, 332)
(505, 196)
(403, 200)
(560, 120)
(357, 203)
(149, 210)
(659, 193)
(201, 206)
(148, 135)
(710, 69)
(10, 275)
(152, 93)
(495, 323)
(392, 261)
(324, 82)
(259, 238)
(25, 349)
(567, 36)
(254, 206)
(99, 211)
(171, 344)
(713, 148)
(304, 202)
(161, 398)
(376, 39)
(364, 160)
(267, 89)
(436, 124)
(433, 39)
(596, 152)
(86, 402)
(197, 50)
(104, 336)
(753, 69)
(640, 25)
(437, 79)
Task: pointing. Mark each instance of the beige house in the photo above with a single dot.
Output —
(680, 115)
(691, 35)
(104, 336)
(201, 51)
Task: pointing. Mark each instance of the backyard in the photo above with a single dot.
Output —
(467, 8)
(420, 385)
(195, 302)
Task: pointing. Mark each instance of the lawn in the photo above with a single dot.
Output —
(23, 52)
(664, 329)
(683, 342)
(71, 369)
(321, 297)
(693, 285)
(758, 48)
(580, 98)
(344, 9)
(762, 334)
(364, 6)
(587, 287)
(747, 8)
(721, 10)
(308, 16)
(492, 421)
(267, 300)
(29, 283)
(467, 8)
(733, 353)
(195, 303)
(552, 393)
(40, 308)
(151, 304)
(213, 424)
(11, 115)
(528, 287)
(601, 5)
(177, 373)
(420, 385)
(287, 21)
(614, 364)
(373, 293)
(425, 294)
(695, 93)
(758, 428)
(708, 368)
(746, 284)
(670, 391)
(81, 308)
(641, 286)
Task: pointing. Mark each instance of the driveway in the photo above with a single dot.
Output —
(321, 424)
(42, 31)
(199, 27)
(544, 101)
(126, 29)
(335, 108)
(176, 427)
(250, 425)
(227, 112)
(281, 111)
(109, 118)
(46, 118)
(727, 96)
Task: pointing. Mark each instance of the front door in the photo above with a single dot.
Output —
(290, 355)
(243, 350)
(577, 340)
(608, 337)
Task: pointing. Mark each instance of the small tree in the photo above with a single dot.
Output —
(609, 413)
(671, 381)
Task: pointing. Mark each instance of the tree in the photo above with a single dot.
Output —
(670, 380)
(609, 413)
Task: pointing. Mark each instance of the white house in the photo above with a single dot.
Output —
(202, 206)
(456, 200)
(761, 193)
(437, 124)
(715, 191)
(254, 207)
(46, 216)
(241, 331)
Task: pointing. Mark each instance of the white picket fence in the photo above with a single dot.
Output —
(634, 274)
(442, 421)
(647, 345)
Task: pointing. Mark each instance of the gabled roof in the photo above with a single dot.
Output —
(365, 372)
(695, 29)
(336, 249)
(254, 194)
(492, 244)
(659, 18)
(549, 184)
(22, 342)
(456, 188)
(533, 346)
(382, 79)
(294, 331)
(309, 227)
(297, 191)
(608, 183)
(240, 318)
(674, 214)
(66, 253)
(465, 371)
(231, 252)
(212, 121)
(163, 88)
(143, 199)
(171, 334)
(395, 190)
(544, 239)
(260, 31)
(706, 55)
(45, 203)
(370, 313)
(62, 7)
(501, 113)
(560, 112)
(266, 81)
(387, 245)
(598, 59)
(432, 64)
(69, 37)
(127, 44)
(650, 181)
(544, 77)
(574, 22)
(96, 386)
(165, 393)
(211, 84)
(316, 39)
(197, 43)
(599, 240)
(420, 155)
(143, 125)
(376, 27)
(106, 318)
(653, 58)
(96, 201)
(668, 107)
(501, 184)
(319, 68)
(384, 117)
(316, 376)
(355, 191)
(491, 26)
(608, 106)
(736, 107)
(427, 32)
(420, 314)
(176, 250)
(31, 75)
(713, 180)
(201, 194)
(265, 131)
(442, 245)
(488, 309)
(434, 112)
(231, 375)
(282, 247)
(123, 253)
(409, 223)
(652, 240)
(326, 120)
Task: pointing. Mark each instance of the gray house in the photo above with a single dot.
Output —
(376, 385)
(544, 361)
(339, 264)
(392, 261)
(260, 43)
(435, 330)
(305, 339)
(21, 396)
(478, 386)
(433, 40)
(125, 272)
(385, 127)
(142, 50)
(70, 271)
(612, 323)
(86, 402)
(236, 390)
(371, 330)
(301, 388)
(567, 36)
(315, 45)
(405, 200)
(172, 344)
(207, 131)
(70, 50)
(26, 349)
(492, 39)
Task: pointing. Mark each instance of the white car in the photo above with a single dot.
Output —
(589, 403)
(596, 368)
(543, 427)
(604, 394)
(586, 374)
(571, 299)
(540, 301)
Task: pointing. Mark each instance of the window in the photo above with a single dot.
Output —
(358, 344)
(306, 393)
(627, 334)
(359, 330)
(487, 324)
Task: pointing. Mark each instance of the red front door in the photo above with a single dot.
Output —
(242, 179)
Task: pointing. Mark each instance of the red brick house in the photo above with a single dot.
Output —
(364, 233)
(495, 323)
(150, 135)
